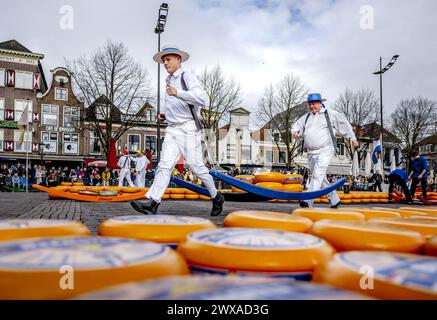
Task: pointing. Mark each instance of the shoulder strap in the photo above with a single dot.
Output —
(192, 109)
(303, 132)
(331, 131)
(125, 160)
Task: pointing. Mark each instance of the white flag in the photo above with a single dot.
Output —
(22, 122)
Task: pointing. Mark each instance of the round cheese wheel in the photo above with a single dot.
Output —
(166, 196)
(358, 235)
(250, 249)
(246, 178)
(427, 228)
(191, 196)
(205, 197)
(129, 190)
(76, 189)
(267, 219)
(315, 214)
(190, 192)
(423, 209)
(271, 185)
(373, 213)
(114, 188)
(165, 229)
(78, 184)
(214, 287)
(292, 179)
(356, 195)
(61, 188)
(177, 196)
(67, 184)
(269, 177)
(292, 187)
(47, 268)
(177, 191)
(95, 188)
(29, 228)
(403, 213)
(384, 275)
(431, 247)
(234, 189)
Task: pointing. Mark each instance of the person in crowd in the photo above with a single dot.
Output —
(419, 173)
(106, 177)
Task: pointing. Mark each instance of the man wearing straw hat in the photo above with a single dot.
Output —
(183, 100)
(318, 129)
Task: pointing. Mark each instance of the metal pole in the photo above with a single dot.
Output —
(382, 123)
(27, 146)
(158, 109)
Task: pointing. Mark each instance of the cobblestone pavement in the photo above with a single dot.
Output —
(39, 206)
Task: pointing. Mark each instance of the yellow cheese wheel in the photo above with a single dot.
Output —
(144, 189)
(317, 200)
(347, 196)
(177, 191)
(216, 287)
(427, 210)
(373, 213)
(158, 228)
(76, 189)
(358, 235)
(34, 268)
(78, 184)
(293, 178)
(190, 192)
(365, 200)
(269, 177)
(167, 191)
(246, 178)
(166, 196)
(292, 187)
(315, 215)
(251, 249)
(114, 188)
(95, 188)
(68, 184)
(234, 189)
(324, 200)
(425, 227)
(205, 197)
(267, 219)
(356, 200)
(383, 275)
(177, 196)
(403, 212)
(191, 196)
(30, 228)
(61, 188)
(129, 190)
(431, 247)
(356, 195)
(271, 185)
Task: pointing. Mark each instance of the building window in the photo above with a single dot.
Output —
(23, 80)
(150, 143)
(281, 156)
(50, 115)
(61, 94)
(269, 156)
(19, 107)
(70, 145)
(2, 109)
(27, 141)
(133, 142)
(71, 116)
(2, 138)
(95, 147)
(50, 140)
(2, 77)
(246, 152)
(151, 115)
(340, 147)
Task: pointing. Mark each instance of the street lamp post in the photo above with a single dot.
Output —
(160, 24)
(380, 72)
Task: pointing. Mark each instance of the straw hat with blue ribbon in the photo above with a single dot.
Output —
(170, 50)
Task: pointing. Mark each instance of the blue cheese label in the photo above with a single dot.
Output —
(248, 238)
(414, 271)
(78, 252)
(37, 223)
(160, 220)
(222, 288)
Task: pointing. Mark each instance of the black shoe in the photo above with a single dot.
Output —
(335, 206)
(145, 207)
(217, 204)
(304, 204)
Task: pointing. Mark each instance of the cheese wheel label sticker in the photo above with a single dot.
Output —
(248, 238)
(23, 224)
(78, 252)
(160, 220)
(402, 269)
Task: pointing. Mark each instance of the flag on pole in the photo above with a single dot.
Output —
(22, 122)
(376, 155)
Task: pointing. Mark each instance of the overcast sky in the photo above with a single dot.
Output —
(329, 44)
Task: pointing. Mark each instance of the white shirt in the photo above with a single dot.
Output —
(141, 163)
(176, 109)
(317, 135)
(124, 162)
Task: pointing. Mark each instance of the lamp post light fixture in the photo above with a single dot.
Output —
(160, 25)
(381, 72)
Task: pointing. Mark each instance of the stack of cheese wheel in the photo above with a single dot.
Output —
(431, 247)
(316, 214)
(356, 197)
(28, 228)
(425, 227)
(346, 199)
(213, 287)
(250, 179)
(384, 275)
(177, 193)
(293, 178)
(405, 213)
(359, 235)
(250, 251)
(269, 177)
(268, 220)
(165, 229)
(59, 268)
(191, 195)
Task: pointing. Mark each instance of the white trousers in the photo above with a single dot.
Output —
(319, 163)
(125, 174)
(186, 140)
(141, 179)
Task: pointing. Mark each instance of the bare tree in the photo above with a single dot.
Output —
(279, 108)
(359, 107)
(412, 121)
(224, 93)
(119, 84)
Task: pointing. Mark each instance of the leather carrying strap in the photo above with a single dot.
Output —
(192, 109)
(331, 131)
